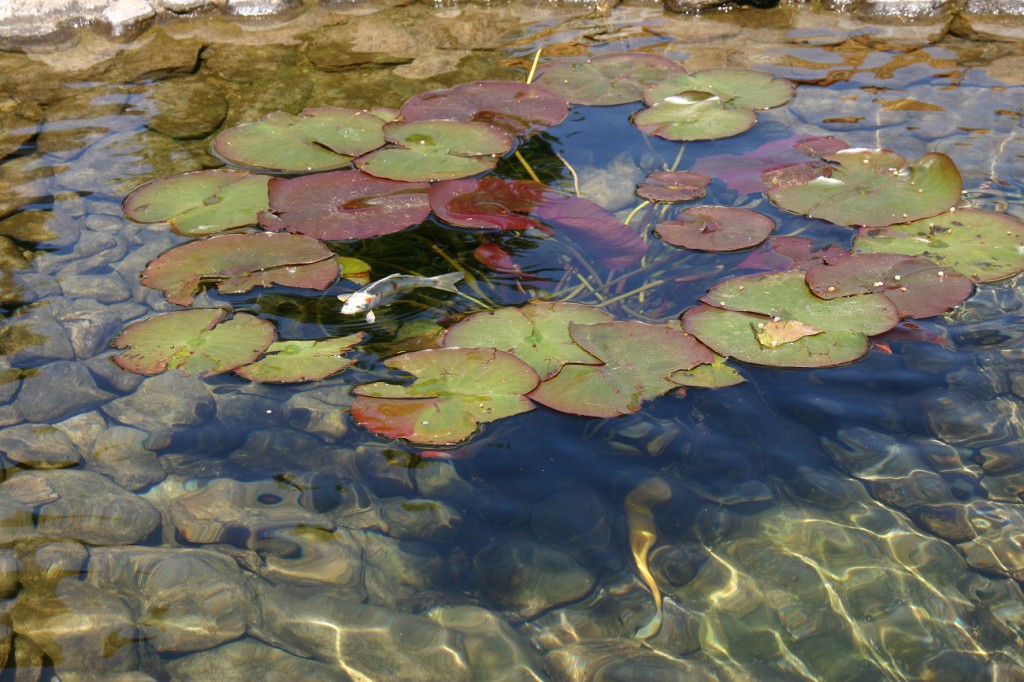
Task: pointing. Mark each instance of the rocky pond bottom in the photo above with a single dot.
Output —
(843, 523)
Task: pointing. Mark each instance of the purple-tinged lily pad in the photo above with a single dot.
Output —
(714, 374)
(606, 79)
(200, 203)
(344, 205)
(732, 321)
(791, 253)
(536, 333)
(436, 150)
(917, 286)
(514, 107)
(193, 342)
(311, 141)
(638, 359)
(671, 186)
(239, 262)
(454, 391)
(875, 188)
(716, 228)
(765, 167)
(593, 228)
(736, 88)
(295, 361)
(984, 245)
(488, 203)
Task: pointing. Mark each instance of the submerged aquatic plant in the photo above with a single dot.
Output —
(594, 320)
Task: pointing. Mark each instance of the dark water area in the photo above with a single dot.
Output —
(858, 522)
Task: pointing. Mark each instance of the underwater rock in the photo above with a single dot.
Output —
(33, 336)
(624, 659)
(389, 471)
(248, 406)
(395, 572)
(183, 599)
(163, 404)
(119, 453)
(45, 564)
(276, 452)
(38, 401)
(576, 520)
(91, 325)
(320, 557)
(102, 366)
(9, 567)
(528, 578)
(109, 288)
(440, 480)
(187, 109)
(495, 651)
(319, 412)
(38, 446)
(248, 659)
(426, 520)
(368, 641)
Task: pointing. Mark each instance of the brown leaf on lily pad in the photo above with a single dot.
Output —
(777, 332)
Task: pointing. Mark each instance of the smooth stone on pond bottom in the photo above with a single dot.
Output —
(427, 520)
(50, 562)
(187, 109)
(78, 626)
(119, 452)
(320, 557)
(624, 660)
(163, 403)
(496, 652)
(576, 520)
(41, 401)
(9, 567)
(247, 660)
(440, 480)
(320, 412)
(528, 578)
(395, 572)
(368, 642)
(38, 446)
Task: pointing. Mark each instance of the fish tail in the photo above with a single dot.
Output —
(446, 282)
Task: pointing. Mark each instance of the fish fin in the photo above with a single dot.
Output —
(344, 297)
(446, 282)
(370, 317)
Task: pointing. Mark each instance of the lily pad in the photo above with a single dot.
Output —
(714, 374)
(514, 107)
(295, 361)
(344, 205)
(917, 286)
(239, 262)
(436, 150)
(488, 203)
(454, 391)
(314, 140)
(716, 228)
(766, 167)
(593, 228)
(637, 360)
(792, 253)
(200, 203)
(738, 309)
(735, 88)
(875, 188)
(537, 333)
(673, 186)
(193, 342)
(694, 115)
(606, 79)
(984, 245)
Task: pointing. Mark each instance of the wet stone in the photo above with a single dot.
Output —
(440, 480)
(38, 446)
(103, 367)
(319, 412)
(276, 452)
(163, 403)
(623, 659)
(187, 109)
(395, 572)
(83, 429)
(388, 470)
(9, 568)
(319, 557)
(91, 325)
(109, 288)
(119, 453)
(249, 659)
(495, 651)
(34, 336)
(427, 520)
(39, 402)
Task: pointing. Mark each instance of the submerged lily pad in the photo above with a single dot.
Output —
(453, 392)
(495, 257)
(193, 342)
(200, 203)
(593, 228)
(875, 188)
(239, 262)
(344, 205)
(673, 186)
(294, 361)
(637, 361)
(511, 106)
(766, 167)
(314, 140)
(606, 79)
(917, 286)
(436, 150)
(732, 321)
(984, 245)
(716, 228)
(537, 333)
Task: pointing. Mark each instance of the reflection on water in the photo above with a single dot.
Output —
(862, 522)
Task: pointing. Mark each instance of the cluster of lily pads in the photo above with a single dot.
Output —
(300, 188)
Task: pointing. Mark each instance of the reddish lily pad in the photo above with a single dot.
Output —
(717, 228)
(295, 361)
(638, 359)
(537, 333)
(488, 203)
(514, 107)
(671, 186)
(917, 286)
(875, 187)
(765, 167)
(200, 203)
(311, 141)
(436, 150)
(984, 245)
(732, 321)
(606, 79)
(193, 342)
(453, 392)
(239, 262)
(345, 205)
(792, 253)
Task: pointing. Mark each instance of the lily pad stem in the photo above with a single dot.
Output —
(630, 294)
(572, 171)
(454, 264)
(533, 68)
(526, 166)
(636, 210)
(588, 285)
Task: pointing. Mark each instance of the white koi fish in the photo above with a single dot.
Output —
(383, 291)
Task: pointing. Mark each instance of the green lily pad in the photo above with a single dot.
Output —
(295, 361)
(200, 203)
(694, 116)
(714, 374)
(436, 150)
(536, 333)
(193, 342)
(672, 186)
(716, 228)
(239, 262)
(983, 245)
(917, 286)
(313, 140)
(606, 79)
(453, 392)
(732, 321)
(875, 188)
(638, 359)
(512, 106)
(736, 88)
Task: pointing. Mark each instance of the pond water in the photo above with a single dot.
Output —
(857, 522)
